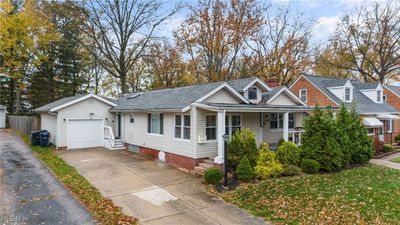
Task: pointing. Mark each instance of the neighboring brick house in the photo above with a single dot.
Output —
(379, 116)
(391, 95)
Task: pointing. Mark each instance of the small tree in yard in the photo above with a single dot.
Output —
(288, 153)
(242, 143)
(319, 140)
(267, 164)
(244, 170)
(353, 138)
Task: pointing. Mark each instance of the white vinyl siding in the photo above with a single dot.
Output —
(137, 134)
(49, 122)
(282, 99)
(82, 110)
(222, 96)
(379, 96)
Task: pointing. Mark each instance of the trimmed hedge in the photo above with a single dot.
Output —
(213, 176)
(267, 164)
(387, 148)
(310, 166)
(244, 170)
(288, 153)
(291, 170)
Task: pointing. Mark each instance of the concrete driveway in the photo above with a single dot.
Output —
(152, 191)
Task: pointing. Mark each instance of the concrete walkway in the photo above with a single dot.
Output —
(29, 193)
(152, 191)
(385, 161)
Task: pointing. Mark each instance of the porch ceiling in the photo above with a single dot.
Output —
(253, 108)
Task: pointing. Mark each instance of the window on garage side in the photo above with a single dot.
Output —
(155, 123)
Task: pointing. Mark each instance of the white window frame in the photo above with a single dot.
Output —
(248, 93)
(211, 127)
(229, 125)
(373, 131)
(389, 129)
(278, 123)
(182, 127)
(345, 94)
(306, 96)
(379, 96)
(149, 130)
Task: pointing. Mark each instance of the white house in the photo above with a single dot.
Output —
(182, 126)
(78, 121)
(3, 111)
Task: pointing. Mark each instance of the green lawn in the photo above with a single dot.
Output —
(365, 195)
(101, 208)
(396, 160)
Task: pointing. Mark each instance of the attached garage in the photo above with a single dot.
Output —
(85, 133)
(2, 116)
(77, 122)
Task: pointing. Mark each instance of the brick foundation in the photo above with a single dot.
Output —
(62, 148)
(174, 159)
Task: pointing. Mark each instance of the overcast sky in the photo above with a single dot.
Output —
(325, 12)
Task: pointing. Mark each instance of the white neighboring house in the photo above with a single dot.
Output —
(3, 112)
(78, 121)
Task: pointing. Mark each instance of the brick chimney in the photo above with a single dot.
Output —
(272, 82)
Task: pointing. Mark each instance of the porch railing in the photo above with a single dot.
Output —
(295, 136)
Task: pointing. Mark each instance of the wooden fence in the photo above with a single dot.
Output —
(23, 124)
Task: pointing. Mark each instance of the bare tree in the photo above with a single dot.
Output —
(370, 41)
(214, 34)
(121, 31)
(282, 47)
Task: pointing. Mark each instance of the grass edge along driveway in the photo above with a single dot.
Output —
(363, 195)
(101, 208)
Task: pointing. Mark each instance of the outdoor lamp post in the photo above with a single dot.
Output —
(225, 137)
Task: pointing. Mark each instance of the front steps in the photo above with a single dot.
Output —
(203, 166)
(117, 144)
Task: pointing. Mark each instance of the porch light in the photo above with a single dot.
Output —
(91, 114)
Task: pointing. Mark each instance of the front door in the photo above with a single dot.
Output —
(380, 134)
(119, 125)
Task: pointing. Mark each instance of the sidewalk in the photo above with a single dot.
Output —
(385, 161)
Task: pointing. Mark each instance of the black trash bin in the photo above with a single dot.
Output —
(44, 139)
(35, 137)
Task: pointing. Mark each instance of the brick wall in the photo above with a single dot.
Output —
(314, 96)
(394, 101)
(174, 159)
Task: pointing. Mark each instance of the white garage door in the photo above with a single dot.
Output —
(84, 133)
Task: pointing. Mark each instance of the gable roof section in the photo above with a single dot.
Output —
(363, 104)
(67, 101)
(275, 92)
(173, 98)
(244, 84)
(394, 89)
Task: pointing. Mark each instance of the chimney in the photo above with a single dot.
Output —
(272, 82)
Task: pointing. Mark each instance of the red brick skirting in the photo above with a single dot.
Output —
(174, 159)
(62, 148)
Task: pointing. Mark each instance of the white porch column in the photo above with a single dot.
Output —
(286, 126)
(220, 131)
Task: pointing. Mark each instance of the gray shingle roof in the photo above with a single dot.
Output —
(395, 89)
(268, 95)
(240, 84)
(363, 104)
(2, 107)
(172, 98)
(57, 103)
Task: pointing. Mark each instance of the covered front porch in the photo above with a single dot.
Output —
(269, 123)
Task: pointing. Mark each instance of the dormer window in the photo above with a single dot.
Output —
(379, 96)
(347, 94)
(253, 93)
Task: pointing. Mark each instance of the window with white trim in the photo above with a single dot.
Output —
(379, 96)
(211, 127)
(371, 131)
(182, 127)
(276, 121)
(303, 95)
(389, 126)
(384, 98)
(155, 123)
(233, 123)
(252, 93)
(347, 94)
